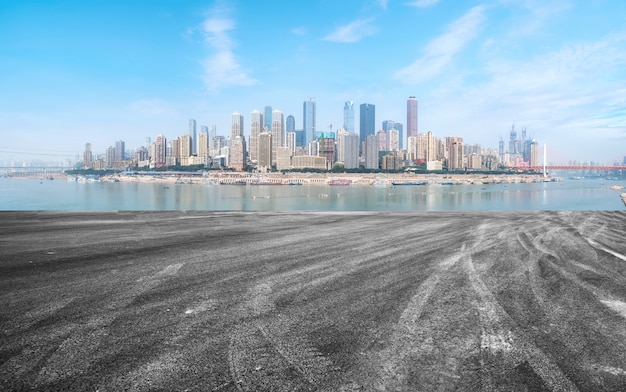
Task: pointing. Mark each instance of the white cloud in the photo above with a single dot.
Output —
(298, 31)
(423, 3)
(352, 32)
(222, 69)
(440, 51)
(383, 4)
(571, 98)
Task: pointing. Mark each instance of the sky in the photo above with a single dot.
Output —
(73, 72)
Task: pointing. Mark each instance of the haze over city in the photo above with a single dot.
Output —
(74, 72)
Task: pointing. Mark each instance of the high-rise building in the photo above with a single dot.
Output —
(237, 153)
(371, 152)
(237, 158)
(203, 144)
(120, 148)
(412, 148)
(290, 143)
(265, 151)
(455, 153)
(382, 140)
(367, 117)
(411, 117)
(267, 115)
(193, 135)
(348, 149)
(308, 118)
(159, 152)
(326, 144)
(278, 132)
(290, 124)
(184, 147)
(300, 138)
(348, 116)
(256, 127)
(393, 140)
(110, 156)
(87, 157)
(236, 127)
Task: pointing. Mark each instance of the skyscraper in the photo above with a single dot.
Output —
(120, 148)
(411, 117)
(348, 149)
(367, 117)
(267, 115)
(256, 127)
(308, 118)
(236, 127)
(265, 151)
(290, 124)
(194, 136)
(278, 132)
(371, 152)
(348, 116)
(87, 157)
(237, 156)
(159, 153)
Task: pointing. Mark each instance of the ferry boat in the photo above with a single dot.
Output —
(408, 183)
(339, 182)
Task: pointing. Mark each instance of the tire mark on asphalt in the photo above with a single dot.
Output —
(499, 336)
(393, 362)
(80, 349)
(263, 355)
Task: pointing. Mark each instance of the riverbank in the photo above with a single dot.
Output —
(332, 179)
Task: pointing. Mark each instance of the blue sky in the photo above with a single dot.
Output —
(73, 72)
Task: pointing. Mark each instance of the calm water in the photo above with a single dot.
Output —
(22, 194)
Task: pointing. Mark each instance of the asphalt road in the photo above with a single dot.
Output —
(382, 301)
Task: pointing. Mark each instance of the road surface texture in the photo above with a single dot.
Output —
(380, 301)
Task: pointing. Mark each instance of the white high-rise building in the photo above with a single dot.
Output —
(348, 116)
(278, 132)
(256, 127)
(348, 149)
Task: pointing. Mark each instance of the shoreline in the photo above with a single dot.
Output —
(330, 179)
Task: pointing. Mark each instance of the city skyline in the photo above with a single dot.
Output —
(74, 73)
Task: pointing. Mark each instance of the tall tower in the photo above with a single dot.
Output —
(237, 152)
(120, 150)
(236, 126)
(348, 116)
(87, 157)
(278, 132)
(267, 116)
(308, 118)
(290, 124)
(194, 136)
(256, 127)
(159, 153)
(411, 117)
(367, 117)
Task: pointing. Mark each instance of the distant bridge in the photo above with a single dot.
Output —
(577, 168)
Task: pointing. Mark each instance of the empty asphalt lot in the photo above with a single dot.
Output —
(381, 301)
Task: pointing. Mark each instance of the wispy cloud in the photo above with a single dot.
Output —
(571, 98)
(440, 51)
(221, 69)
(383, 3)
(352, 32)
(298, 31)
(423, 3)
